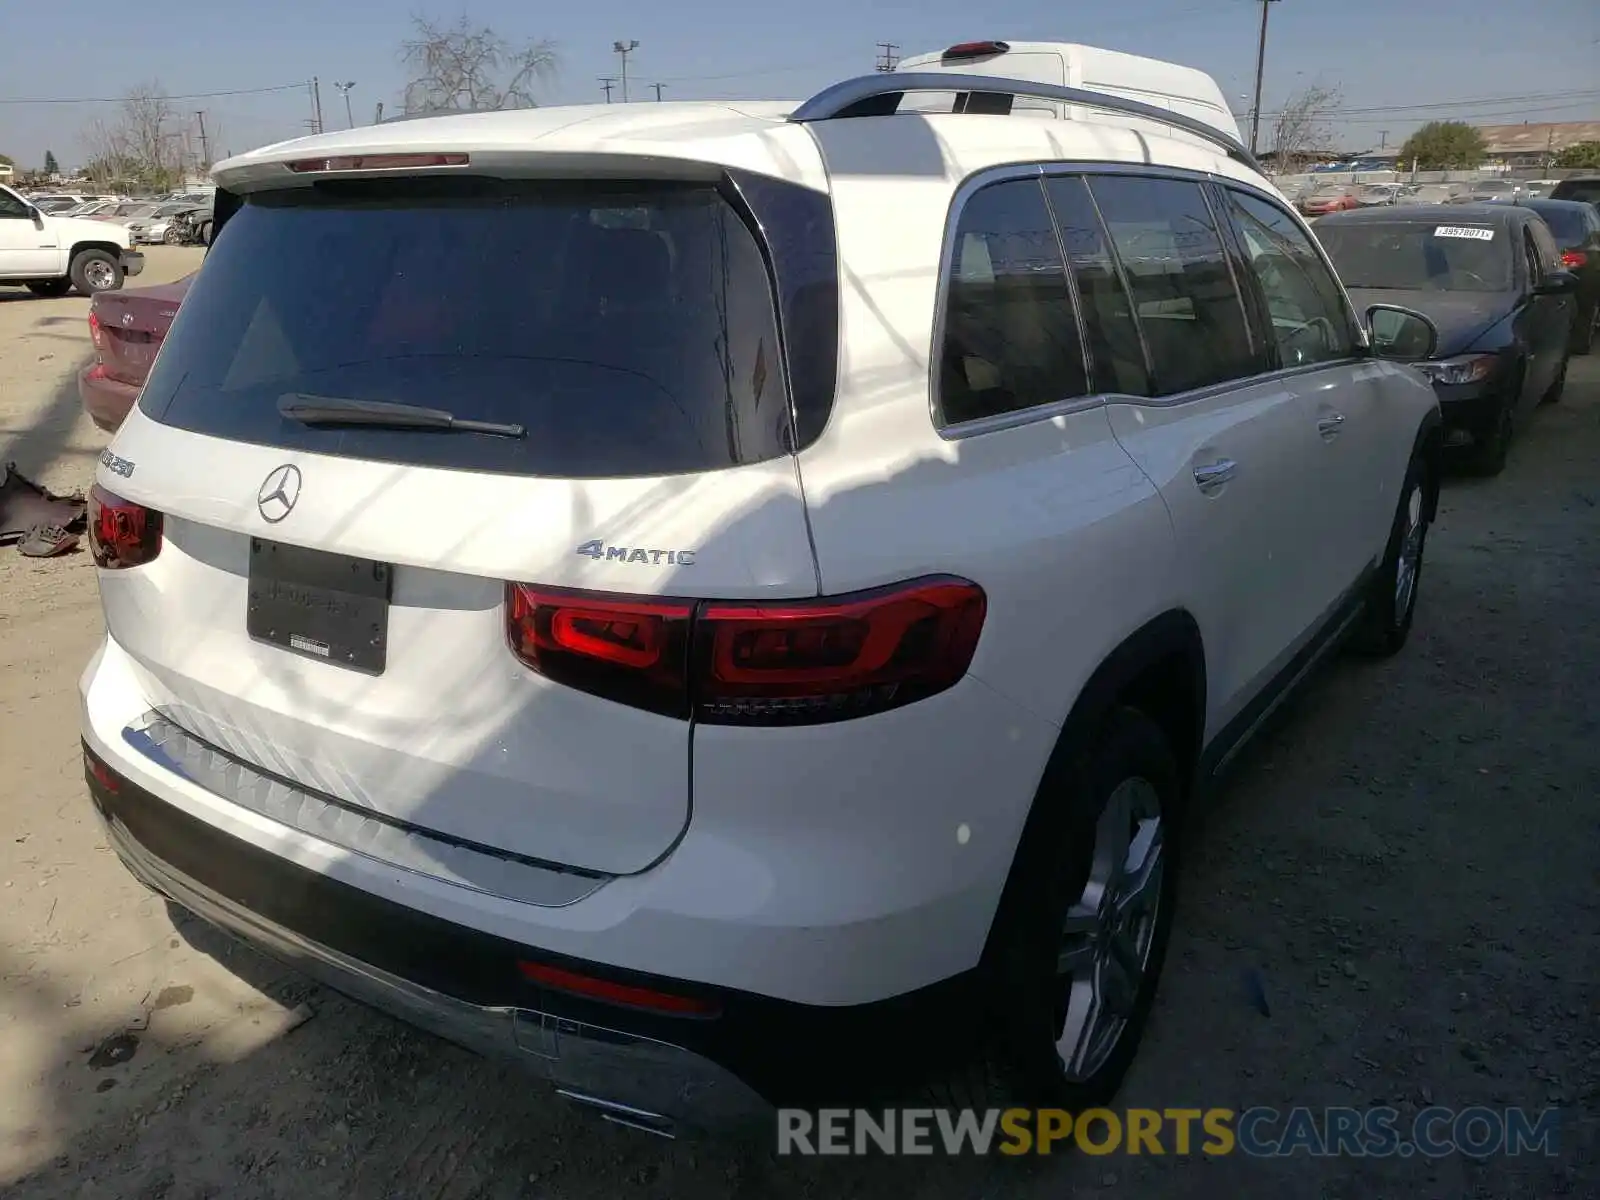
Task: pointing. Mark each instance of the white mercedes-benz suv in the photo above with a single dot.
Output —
(731, 603)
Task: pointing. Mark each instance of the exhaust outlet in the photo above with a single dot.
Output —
(623, 1114)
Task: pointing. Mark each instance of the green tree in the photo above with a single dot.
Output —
(1584, 154)
(1441, 145)
(51, 166)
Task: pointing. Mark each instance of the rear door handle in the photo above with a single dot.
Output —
(1211, 477)
(1330, 425)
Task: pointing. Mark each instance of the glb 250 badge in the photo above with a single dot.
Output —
(117, 466)
(636, 554)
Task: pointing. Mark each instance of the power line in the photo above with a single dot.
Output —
(282, 87)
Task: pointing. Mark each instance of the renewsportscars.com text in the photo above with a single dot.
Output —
(1260, 1132)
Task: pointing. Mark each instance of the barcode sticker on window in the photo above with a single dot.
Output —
(1464, 231)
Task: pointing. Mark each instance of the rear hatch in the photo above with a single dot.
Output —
(130, 325)
(621, 343)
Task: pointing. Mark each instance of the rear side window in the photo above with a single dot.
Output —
(1188, 307)
(1114, 344)
(630, 329)
(1010, 333)
(1309, 320)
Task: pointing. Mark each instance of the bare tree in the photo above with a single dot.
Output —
(1301, 130)
(142, 142)
(469, 68)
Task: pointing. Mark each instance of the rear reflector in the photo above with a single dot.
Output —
(963, 50)
(617, 993)
(376, 162)
(740, 663)
(122, 534)
(100, 773)
(1573, 259)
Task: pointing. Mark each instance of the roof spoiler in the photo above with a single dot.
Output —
(880, 95)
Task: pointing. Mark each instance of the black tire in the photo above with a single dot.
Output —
(1588, 325)
(1494, 441)
(1027, 1000)
(1557, 386)
(95, 271)
(1385, 621)
(51, 288)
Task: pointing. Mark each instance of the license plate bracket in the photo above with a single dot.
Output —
(328, 607)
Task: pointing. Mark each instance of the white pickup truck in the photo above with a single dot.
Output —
(51, 255)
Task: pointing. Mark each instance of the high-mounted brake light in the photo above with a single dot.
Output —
(122, 534)
(1573, 259)
(376, 162)
(754, 663)
(963, 50)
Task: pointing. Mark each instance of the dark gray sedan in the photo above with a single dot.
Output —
(1491, 278)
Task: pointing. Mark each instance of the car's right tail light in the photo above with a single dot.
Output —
(122, 534)
(1573, 259)
(799, 662)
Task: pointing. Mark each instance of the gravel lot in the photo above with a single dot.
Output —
(1408, 859)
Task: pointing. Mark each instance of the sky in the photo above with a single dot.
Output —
(1385, 57)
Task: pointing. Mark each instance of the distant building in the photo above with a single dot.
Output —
(7, 172)
(1532, 143)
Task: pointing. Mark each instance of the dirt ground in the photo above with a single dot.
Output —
(1407, 859)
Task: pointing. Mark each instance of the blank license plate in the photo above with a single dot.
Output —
(325, 606)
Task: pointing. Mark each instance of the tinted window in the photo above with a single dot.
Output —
(1309, 319)
(1114, 345)
(1010, 334)
(1433, 256)
(1577, 189)
(630, 329)
(1570, 225)
(12, 206)
(1188, 308)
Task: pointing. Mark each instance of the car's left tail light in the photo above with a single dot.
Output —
(796, 662)
(122, 534)
(1573, 259)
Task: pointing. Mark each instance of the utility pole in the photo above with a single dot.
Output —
(623, 49)
(377, 115)
(659, 87)
(888, 59)
(1383, 139)
(607, 82)
(316, 105)
(350, 121)
(1261, 69)
(205, 142)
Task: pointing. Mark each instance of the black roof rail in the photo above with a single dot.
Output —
(879, 95)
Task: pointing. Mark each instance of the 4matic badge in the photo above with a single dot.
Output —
(636, 554)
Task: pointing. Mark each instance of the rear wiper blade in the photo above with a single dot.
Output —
(334, 410)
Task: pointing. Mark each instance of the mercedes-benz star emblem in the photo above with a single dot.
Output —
(278, 494)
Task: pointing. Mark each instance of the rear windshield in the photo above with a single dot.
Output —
(1568, 224)
(1434, 256)
(1577, 189)
(629, 329)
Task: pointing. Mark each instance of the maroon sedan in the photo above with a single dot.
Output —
(127, 327)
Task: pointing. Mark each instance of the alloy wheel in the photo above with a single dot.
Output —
(1109, 932)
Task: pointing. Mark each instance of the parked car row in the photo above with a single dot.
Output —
(1314, 199)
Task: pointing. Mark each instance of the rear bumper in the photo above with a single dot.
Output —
(107, 401)
(630, 1077)
(132, 262)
